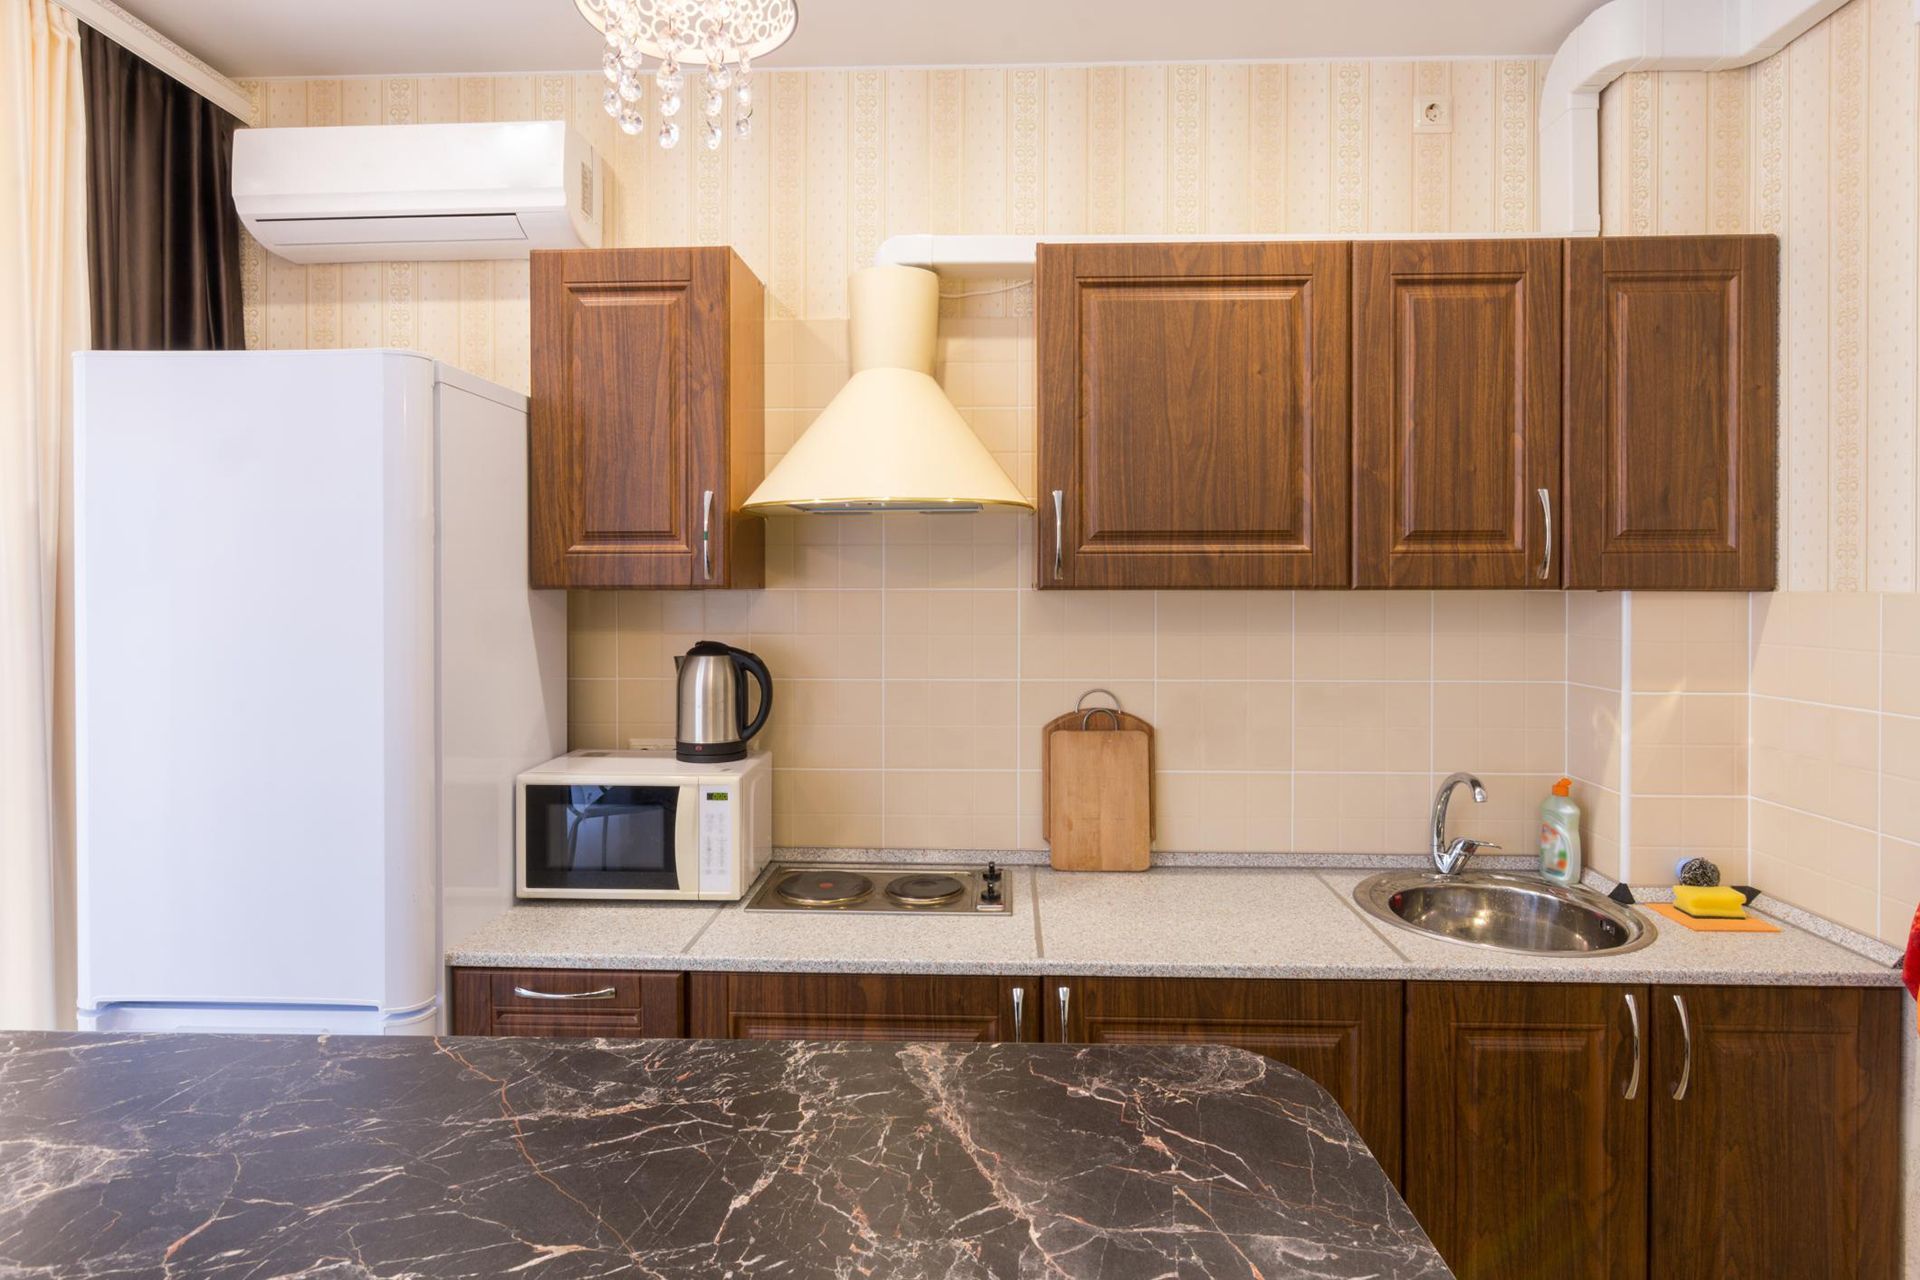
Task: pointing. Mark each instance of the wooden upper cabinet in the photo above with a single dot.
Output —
(1193, 415)
(1527, 1128)
(1456, 413)
(1776, 1123)
(1671, 355)
(646, 428)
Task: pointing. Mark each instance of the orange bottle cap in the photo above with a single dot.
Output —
(1563, 787)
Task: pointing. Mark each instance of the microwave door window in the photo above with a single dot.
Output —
(601, 837)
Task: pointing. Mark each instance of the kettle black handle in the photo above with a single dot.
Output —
(750, 663)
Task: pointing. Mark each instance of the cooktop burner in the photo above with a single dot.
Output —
(945, 890)
(823, 888)
(928, 890)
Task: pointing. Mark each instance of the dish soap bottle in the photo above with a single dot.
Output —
(1560, 835)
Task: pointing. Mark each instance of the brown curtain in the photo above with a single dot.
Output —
(163, 240)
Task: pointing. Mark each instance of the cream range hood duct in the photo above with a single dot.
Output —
(890, 440)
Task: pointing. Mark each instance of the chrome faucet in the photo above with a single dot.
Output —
(1449, 856)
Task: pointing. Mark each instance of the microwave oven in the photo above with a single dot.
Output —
(642, 825)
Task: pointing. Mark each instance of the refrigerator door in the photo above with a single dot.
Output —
(255, 680)
(503, 648)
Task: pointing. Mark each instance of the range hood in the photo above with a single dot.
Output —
(890, 440)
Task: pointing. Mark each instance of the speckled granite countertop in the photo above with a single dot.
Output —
(202, 1155)
(1170, 921)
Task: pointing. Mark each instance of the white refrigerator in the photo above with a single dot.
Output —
(307, 670)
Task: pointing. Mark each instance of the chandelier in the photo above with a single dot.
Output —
(718, 38)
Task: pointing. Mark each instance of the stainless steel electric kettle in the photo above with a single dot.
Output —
(712, 723)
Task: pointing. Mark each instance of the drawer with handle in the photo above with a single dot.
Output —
(567, 1002)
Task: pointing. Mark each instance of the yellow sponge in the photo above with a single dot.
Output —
(1719, 903)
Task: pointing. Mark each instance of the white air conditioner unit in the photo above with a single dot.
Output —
(417, 192)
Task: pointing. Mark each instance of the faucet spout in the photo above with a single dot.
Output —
(1449, 856)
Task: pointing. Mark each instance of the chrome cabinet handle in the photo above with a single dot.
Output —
(599, 993)
(1633, 1019)
(1686, 1040)
(1059, 537)
(706, 534)
(1546, 518)
(1065, 995)
(1019, 1014)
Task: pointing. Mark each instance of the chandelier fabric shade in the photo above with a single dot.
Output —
(717, 38)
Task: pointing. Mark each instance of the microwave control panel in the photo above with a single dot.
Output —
(717, 839)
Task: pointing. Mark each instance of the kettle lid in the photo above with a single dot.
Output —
(709, 649)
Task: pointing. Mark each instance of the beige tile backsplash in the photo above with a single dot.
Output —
(1779, 734)
(1815, 144)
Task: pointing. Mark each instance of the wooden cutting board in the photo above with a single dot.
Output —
(1075, 722)
(1097, 795)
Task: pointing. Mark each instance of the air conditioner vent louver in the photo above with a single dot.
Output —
(422, 192)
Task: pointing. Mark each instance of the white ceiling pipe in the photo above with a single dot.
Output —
(1641, 35)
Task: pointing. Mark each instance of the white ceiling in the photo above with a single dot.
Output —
(384, 37)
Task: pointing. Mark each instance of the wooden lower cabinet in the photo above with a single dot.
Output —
(1343, 1035)
(1526, 1128)
(846, 1006)
(1776, 1132)
(1548, 1129)
(568, 1002)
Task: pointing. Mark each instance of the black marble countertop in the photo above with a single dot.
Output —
(194, 1155)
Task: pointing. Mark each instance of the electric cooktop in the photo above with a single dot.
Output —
(899, 888)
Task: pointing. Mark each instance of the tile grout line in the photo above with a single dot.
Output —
(883, 678)
(1293, 719)
(1752, 648)
(1626, 737)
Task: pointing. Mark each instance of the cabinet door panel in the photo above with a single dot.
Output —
(1193, 415)
(834, 1006)
(1344, 1035)
(1456, 412)
(1524, 1157)
(646, 399)
(1782, 1157)
(1671, 393)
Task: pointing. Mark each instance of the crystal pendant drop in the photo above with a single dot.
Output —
(674, 41)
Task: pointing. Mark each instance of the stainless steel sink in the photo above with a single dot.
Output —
(1505, 912)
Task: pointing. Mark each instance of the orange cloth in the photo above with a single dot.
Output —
(1710, 924)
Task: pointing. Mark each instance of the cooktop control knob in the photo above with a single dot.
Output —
(990, 892)
(991, 875)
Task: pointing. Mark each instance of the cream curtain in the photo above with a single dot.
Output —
(43, 321)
